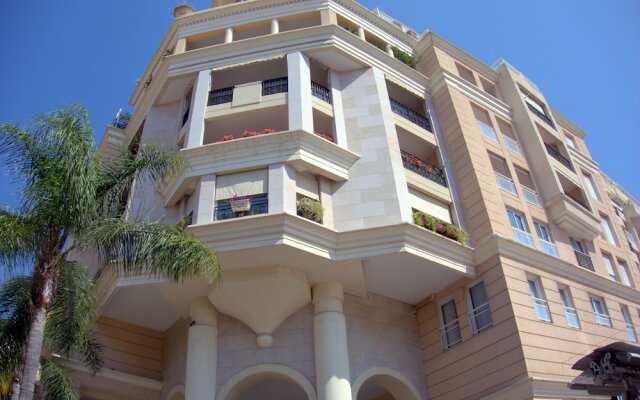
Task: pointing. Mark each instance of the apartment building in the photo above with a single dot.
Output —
(394, 219)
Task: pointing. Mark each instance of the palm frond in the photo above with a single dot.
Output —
(156, 249)
(148, 163)
(71, 316)
(55, 382)
(15, 316)
(16, 240)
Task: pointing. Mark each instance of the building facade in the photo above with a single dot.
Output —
(336, 159)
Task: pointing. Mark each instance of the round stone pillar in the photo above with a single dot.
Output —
(330, 342)
(202, 351)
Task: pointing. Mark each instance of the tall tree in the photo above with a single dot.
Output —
(70, 201)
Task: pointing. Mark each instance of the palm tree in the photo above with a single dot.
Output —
(71, 202)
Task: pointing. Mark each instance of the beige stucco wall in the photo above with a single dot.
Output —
(175, 356)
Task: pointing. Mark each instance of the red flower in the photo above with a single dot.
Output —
(227, 137)
(268, 130)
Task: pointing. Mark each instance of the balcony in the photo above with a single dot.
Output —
(582, 204)
(559, 157)
(584, 260)
(320, 92)
(273, 86)
(531, 196)
(573, 217)
(410, 115)
(256, 205)
(220, 96)
(423, 168)
(121, 120)
(541, 115)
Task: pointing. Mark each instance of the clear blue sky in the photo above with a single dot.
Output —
(583, 54)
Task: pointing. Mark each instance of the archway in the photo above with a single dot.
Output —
(267, 381)
(379, 383)
(176, 393)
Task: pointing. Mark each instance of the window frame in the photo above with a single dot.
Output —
(470, 309)
(607, 229)
(609, 265)
(570, 308)
(539, 301)
(597, 314)
(628, 321)
(444, 339)
(591, 188)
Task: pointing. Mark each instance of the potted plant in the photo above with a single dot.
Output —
(309, 208)
(182, 9)
(239, 204)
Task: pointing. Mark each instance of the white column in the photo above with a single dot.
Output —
(282, 189)
(195, 134)
(202, 351)
(228, 35)
(181, 46)
(339, 129)
(389, 50)
(275, 26)
(361, 33)
(330, 342)
(300, 109)
(204, 200)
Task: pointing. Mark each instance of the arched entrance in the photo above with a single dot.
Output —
(265, 382)
(379, 383)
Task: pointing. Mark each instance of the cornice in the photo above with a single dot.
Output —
(583, 160)
(501, 246)
(431, 38)
(444, 78)
(111, 374)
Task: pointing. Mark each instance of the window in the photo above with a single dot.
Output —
(630, 240)
(528, 188)
(241, 194)
(539, 303)
(631, 331)
(569, 309)
(608, 263)
(581, 255)
(466, 74)
(534, 104)
(546, 241)
(450, 330)
(480, 314)
(519, 228)
(619, 211)
(484, 123)
(624, 273)
(570, 142)
(606, 226)
(600, 311)
(503, 177)
(489, 87)
(590, 187)
(577, 245)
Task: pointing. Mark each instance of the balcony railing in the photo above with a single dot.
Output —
(259, 205)
(523, 237)
(531, 196)
(450, 334)
(572, 317)
(602, 319)
(487, 130)
(121, 120)
(549, 248)
(320, 92)
(584, 260)
(512, 144)
(506, 184)
(556, 154)
(220, 96)
(580, 202)
(410, 115)
(541, 115)
(480, 318)
(423, 168)
(273, 86)
(542, 310)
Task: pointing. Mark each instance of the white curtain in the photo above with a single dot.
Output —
(242, 184)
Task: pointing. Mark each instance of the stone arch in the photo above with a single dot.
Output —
(264, 372)
(176, 393)
(393, 381)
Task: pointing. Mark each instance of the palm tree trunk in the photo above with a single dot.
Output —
(15, 389)
(42, 295)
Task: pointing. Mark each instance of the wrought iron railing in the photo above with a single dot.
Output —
(273, 86)
(259, 205)
(577, 200)
(558, 156)
(541, 115)
(220, 96)
(584, 260)
(320, 92)
(423, 168)
(410, 115)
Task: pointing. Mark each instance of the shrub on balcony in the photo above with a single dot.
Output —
(403, 57)
(378, 43)
(326, 136)
(309, 208)
(439, 226)
(350, 29)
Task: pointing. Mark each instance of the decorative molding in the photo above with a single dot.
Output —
(114, 375)
(501, 246)
(536, 387)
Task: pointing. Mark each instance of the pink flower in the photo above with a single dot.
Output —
(268, 130)
(227, 137)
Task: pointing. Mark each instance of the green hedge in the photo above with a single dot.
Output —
(403, 57)
(309, 208)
